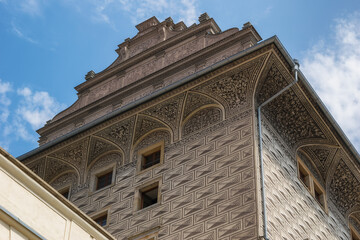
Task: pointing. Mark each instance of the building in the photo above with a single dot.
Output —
(30, 209)
(164, 143)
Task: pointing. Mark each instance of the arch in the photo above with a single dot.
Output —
(194, 100)
(146, 124)
(98, 146)
(118, 161)
(354, 211)
(201, 118)
(313, 166)
(155, 136)
(58, 166)
(60, 175)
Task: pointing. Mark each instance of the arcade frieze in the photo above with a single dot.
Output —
(195, 101)
(98, 147)
(344, 188)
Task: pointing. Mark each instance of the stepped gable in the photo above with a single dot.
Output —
(160, 54)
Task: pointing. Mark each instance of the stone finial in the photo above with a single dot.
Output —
(147, 24)
(90, 75)
(203, 17)
(247, 25)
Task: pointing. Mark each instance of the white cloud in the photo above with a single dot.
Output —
(20, 34)
(31, 7)
(22, 112)
(36, 108)
(5, 101)
(140, 10)
(333, 67)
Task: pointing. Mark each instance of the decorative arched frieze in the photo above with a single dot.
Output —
(107, 160)
(321, 156)
(310, 164)
(149, 139)
(168, 111)
(233, 89)
(344, 186)
(64, 179)
(56, 167)
(201, 118)
(37, 166)
(75, 154)
(291, 113)
(146, 124)
(196, 100)
(99, 146)
(120, 133)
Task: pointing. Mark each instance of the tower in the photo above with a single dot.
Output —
(164, 143)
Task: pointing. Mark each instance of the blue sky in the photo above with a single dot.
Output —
(47, 46)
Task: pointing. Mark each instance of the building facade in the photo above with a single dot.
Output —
(163, 144)
(30, 209)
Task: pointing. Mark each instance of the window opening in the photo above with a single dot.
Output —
(101, 220)
(104, 180)
(311, 184)
(149, 197)
(151, 159)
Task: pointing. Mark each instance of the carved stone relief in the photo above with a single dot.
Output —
(168, 111)
(120, 133)
(152, 138)
(75, 153)
(104, 161)
(344, 188)
(67, 179)
(195, 101)
(233, 89)
(144, 125)
(55, 167)
(289, 115)
(321, 156)
(98, 147)
(201, 119)
(37, 166)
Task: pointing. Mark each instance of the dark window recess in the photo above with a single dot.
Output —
(65, 193)
(104, 180)
(149, 197)
(319, 195)
(150, 159)
(101, 220)
(304, 176)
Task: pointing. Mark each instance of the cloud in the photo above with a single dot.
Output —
(21, 35)
(31, 7)
(333, 68)
(5, 102)
(22, 112)
(139, 10)
(36, 108)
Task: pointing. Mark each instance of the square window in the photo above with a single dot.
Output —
(151, 156)
(151, 159)
(101, 219)
(147, 196)
(103, 180)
